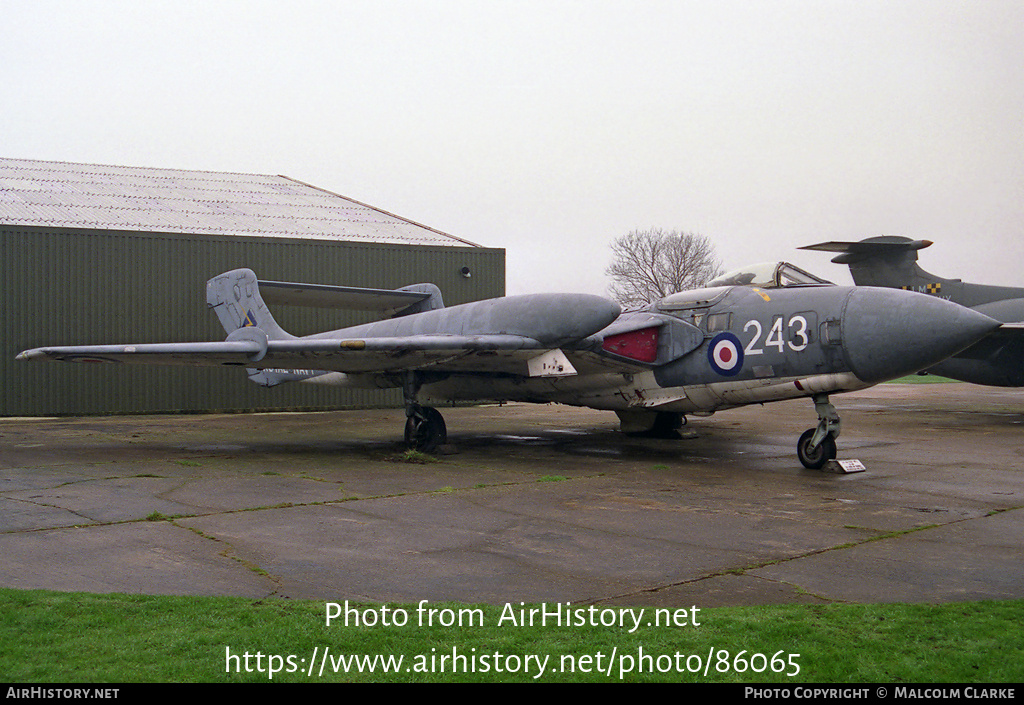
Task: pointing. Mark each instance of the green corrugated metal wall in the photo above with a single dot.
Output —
(80, 287)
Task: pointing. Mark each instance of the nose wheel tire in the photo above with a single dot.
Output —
(425, 430)
(815, 458)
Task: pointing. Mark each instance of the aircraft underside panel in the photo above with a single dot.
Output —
(616, 392)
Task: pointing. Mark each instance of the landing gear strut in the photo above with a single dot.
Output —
(817, 445)
(425, 429)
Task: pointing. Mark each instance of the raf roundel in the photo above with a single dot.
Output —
(726, 354)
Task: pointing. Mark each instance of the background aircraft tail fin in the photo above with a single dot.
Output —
(884, 247)
(235, 297)
(881, 261)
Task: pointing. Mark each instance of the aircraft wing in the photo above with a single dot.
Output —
(507, 354)
(196, 354)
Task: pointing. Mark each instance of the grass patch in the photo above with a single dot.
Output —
(921, 379)
(552, 478)
(416, 457)
(76, 637)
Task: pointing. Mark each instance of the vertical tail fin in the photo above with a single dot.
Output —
(235, 297)
(887, 261)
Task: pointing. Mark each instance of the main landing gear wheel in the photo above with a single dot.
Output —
(815, 458)
(424, 426)
(425, 430)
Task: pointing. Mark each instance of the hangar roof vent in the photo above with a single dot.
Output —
(92, 196)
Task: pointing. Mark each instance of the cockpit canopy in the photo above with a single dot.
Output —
(769, 275)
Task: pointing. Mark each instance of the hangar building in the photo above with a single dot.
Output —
(107, 254)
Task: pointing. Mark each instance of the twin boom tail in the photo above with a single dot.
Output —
(235, 297)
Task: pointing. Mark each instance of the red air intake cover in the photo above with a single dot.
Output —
(640, 345)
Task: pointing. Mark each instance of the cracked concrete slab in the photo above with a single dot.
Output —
(531, 503)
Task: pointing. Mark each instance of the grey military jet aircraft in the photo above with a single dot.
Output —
(890, 261)
(693, 352)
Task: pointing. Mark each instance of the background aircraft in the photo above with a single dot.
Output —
(891, 261)
(692, 352)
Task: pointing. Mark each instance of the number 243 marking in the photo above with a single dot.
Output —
(798, 331)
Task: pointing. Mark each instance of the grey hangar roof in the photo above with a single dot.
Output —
(92, 196)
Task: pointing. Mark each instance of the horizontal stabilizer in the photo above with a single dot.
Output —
(389, 302)
(853, 252)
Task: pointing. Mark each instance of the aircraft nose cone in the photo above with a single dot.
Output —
(889, 333)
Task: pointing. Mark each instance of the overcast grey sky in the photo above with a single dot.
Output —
(551, 127)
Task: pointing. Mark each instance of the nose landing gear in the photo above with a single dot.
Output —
(817, 445)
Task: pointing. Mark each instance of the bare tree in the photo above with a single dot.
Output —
(650, 264)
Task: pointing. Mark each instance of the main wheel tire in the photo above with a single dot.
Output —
(815, 458)
(667, 425)
(426, 430)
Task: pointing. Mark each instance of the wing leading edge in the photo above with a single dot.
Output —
(484, 353)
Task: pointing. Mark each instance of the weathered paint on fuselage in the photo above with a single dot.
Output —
(758, 346)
